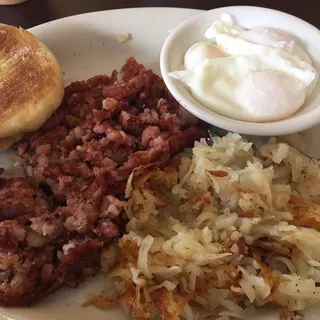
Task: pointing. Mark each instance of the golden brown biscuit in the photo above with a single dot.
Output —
(31, 83)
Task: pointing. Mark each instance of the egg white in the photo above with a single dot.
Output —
(255, 75)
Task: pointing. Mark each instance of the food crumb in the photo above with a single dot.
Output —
(13, 157)
(123, 38)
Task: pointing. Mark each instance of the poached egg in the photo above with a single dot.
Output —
(255, 75)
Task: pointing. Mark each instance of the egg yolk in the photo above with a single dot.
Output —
(199, 52)
(271, 95)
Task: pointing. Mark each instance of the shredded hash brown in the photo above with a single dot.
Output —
(221, 230)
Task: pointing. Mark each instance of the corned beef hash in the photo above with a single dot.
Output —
(69, 205)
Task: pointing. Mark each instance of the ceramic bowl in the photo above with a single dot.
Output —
(192, 31)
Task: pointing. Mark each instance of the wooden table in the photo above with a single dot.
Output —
(35, 12)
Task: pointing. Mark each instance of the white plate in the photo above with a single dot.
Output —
(86, 45)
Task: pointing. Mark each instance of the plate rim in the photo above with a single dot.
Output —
(76, 16)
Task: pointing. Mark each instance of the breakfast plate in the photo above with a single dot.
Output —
(87, 45)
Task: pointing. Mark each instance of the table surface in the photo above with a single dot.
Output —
(35, 12)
